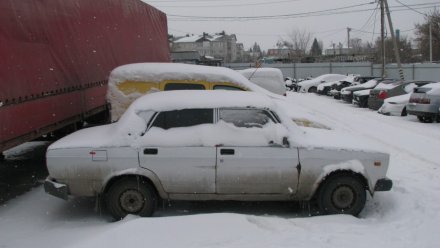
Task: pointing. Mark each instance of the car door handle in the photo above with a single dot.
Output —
(227, 151)
(150, 151)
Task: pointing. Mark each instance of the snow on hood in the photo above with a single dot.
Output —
(325, 78)
(362, 92)
(368, 84)
(268, 78)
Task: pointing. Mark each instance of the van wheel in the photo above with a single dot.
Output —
(342, 194)
(313, 90)
(130, 196)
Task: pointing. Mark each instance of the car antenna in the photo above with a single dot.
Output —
(257, 66)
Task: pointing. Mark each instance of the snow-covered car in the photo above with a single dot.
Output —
(270, 79)
(312, 84)
(213, 145)
(395, 105)
(360, 98)
(325, 88)
(383, 90)
(129, 82)
(347, 93)
(425, 102)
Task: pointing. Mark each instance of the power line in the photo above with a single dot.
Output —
(224, 5)
(297, 15)
(410, 8)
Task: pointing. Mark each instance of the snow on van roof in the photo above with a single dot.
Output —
(156, 72)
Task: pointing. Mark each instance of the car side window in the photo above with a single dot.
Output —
(247, 118)
(183, 86)
(227, 87)
(183, 118)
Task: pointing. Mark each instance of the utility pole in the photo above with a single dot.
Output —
(382, 35)
(348, 37)
(396, 47)
(430, 39)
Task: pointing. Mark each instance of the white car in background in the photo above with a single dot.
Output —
(270, 79)
(311, 86)
(213, 145)
(395, 106)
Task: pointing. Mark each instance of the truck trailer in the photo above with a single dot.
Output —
(56, 56)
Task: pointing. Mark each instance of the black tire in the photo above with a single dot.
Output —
(425, 119)
(313, 90)
(404, 113)
(342, 194)
(130, 196)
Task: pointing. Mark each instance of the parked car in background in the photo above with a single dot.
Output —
(336, 88)
(213, 145)
(360, 98)
(347, 93)
(325, 88)
(424, 102)
(395, 105)
(269, 78)
(384, 90)
(312, 84)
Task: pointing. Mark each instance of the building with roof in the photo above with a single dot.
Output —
(220, 46)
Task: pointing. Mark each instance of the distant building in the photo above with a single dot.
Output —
(193, 57)
(220, 46)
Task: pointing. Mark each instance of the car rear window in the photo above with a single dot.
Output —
(183, 118)
(247, 117)
(226, 87)
(184, 86)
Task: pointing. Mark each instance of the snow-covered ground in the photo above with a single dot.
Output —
(407, 216)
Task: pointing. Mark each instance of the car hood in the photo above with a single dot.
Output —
(335, 140)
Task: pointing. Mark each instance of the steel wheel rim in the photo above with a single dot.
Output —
(343, 197)
(132, 201)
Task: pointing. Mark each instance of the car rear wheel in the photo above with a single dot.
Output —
(342, 194)
(404, 113)
(313, 90)
(425, 119)
(130, 196)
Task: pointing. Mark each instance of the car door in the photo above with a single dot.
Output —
(247, 169)
(181, 166)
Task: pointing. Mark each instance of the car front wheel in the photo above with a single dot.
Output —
(130, 196)
(425, 119)
(342, 194)
(313, 90)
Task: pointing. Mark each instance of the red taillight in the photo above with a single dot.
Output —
(420, 100)
(383, 94)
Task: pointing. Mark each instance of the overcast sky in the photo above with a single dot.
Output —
(327, 20)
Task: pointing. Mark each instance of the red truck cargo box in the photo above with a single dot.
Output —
(55, 57)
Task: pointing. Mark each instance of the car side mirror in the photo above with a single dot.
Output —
(286, 142)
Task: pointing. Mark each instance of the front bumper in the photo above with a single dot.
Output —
(384, 184)
(56, 189)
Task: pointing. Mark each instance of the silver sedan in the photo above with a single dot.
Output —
(213, 145)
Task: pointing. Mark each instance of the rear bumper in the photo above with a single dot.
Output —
(384, 184)
(422, 109)
(56, 189)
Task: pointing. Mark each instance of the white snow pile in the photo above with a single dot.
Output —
(268, 78)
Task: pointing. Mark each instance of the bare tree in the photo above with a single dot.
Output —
(300, 41)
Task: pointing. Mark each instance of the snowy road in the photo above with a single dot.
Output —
(407, 216)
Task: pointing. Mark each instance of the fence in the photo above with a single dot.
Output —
(302, 70)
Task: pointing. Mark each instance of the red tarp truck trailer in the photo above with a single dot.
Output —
(55, 58)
